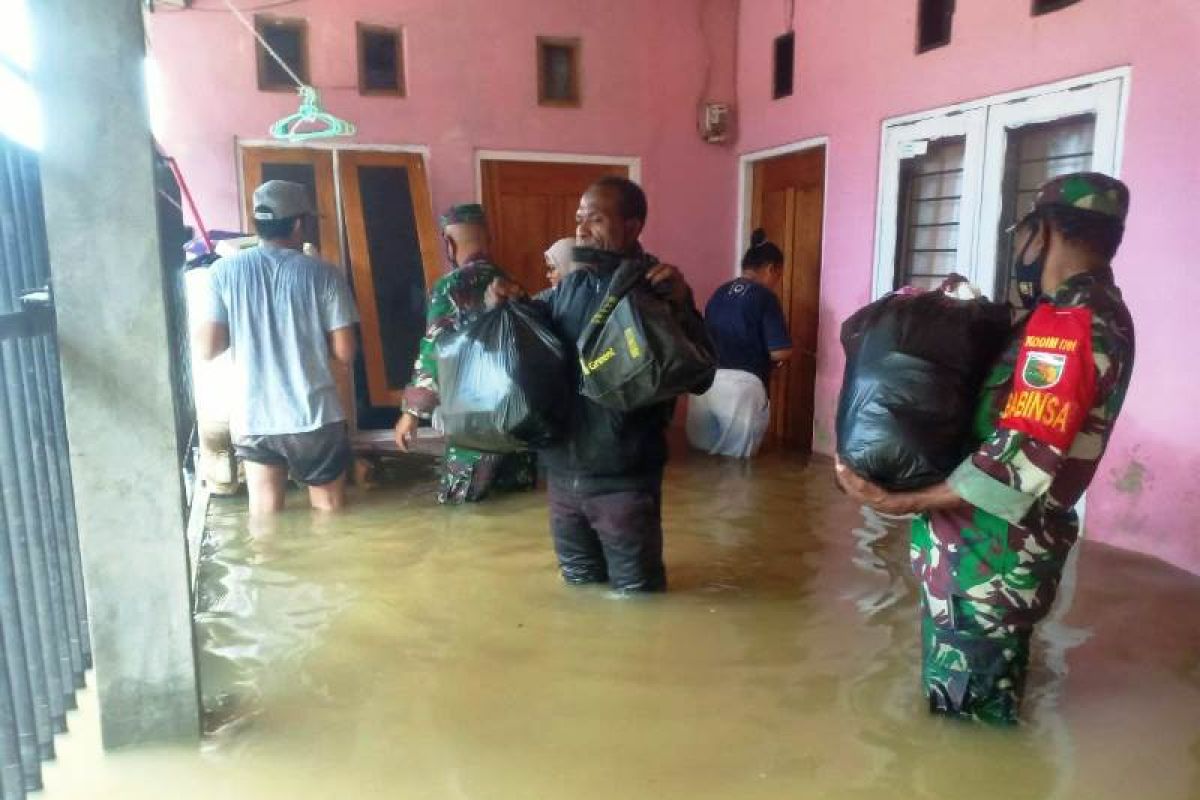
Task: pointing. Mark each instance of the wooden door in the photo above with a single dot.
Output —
(531, 205)
(788, 202)
(395, 258)
(307, 166)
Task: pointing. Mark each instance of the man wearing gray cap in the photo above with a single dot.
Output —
(283, 316)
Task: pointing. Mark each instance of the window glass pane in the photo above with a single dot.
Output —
(381, 68)
(303, 174)
(558, 72)
(558, 64)
(934, 21)
(925, 284)
(286, 43)
(1034, 154)
(288, 38)
(784, 73)
(940, 237)
(930, 201)
(398, 276)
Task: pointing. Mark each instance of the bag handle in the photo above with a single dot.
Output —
(630, 272)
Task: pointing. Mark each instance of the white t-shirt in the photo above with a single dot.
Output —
(280, 306)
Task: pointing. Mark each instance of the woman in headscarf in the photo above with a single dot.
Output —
(747, 326)
(558, 260)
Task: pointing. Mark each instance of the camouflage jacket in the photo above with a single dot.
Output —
(455, 301)
(1044, 421)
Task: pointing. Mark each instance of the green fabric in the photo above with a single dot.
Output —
(469, 476)
(1086, 191)
(983, 491)
(989, 570)
(974, 670)
(985, 550)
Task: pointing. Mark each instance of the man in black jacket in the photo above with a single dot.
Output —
(605, 476)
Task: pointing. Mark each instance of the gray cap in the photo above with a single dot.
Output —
(281, 200)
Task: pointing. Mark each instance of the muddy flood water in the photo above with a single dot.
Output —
(402, 650)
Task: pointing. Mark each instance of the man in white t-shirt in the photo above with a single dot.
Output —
(283, 316)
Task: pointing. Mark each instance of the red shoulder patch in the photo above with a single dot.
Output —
(1054, 379)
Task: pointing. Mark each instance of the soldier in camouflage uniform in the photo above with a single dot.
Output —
(990, 543)
(455, 301)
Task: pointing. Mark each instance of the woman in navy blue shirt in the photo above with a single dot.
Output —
(747, 326)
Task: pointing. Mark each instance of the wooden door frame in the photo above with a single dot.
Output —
(239, 146)
(361, 268)
(745, 211)
(331, 229)
(745, 214)
(631, 163)
(553, 186)
(342, 262)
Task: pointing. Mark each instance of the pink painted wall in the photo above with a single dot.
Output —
(471, 80)
(856, 67)
(472, 86)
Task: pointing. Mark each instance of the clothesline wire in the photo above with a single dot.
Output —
(250, 27)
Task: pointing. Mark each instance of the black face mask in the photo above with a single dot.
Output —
(594, 256)
(1028, 276)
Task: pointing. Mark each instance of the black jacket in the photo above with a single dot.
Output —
(606, 450)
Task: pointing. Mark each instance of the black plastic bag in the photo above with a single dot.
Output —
(915, 365)
(504, 382)
(635, 352)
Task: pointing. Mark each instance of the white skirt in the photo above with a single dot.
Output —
(731, 418)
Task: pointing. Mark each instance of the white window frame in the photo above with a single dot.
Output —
(1101, 99)
(908, 140)
(985, 123)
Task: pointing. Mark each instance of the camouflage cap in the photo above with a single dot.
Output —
(1086, 191)
(464, 213)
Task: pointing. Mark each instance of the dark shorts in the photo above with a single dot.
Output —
(314, 458)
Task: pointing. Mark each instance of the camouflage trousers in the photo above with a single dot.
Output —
(984, 585)
(972, 666)
(469, 475)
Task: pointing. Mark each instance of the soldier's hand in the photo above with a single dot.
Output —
(405, 427)
(932, 498)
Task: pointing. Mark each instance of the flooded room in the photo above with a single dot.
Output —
(509, 399)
